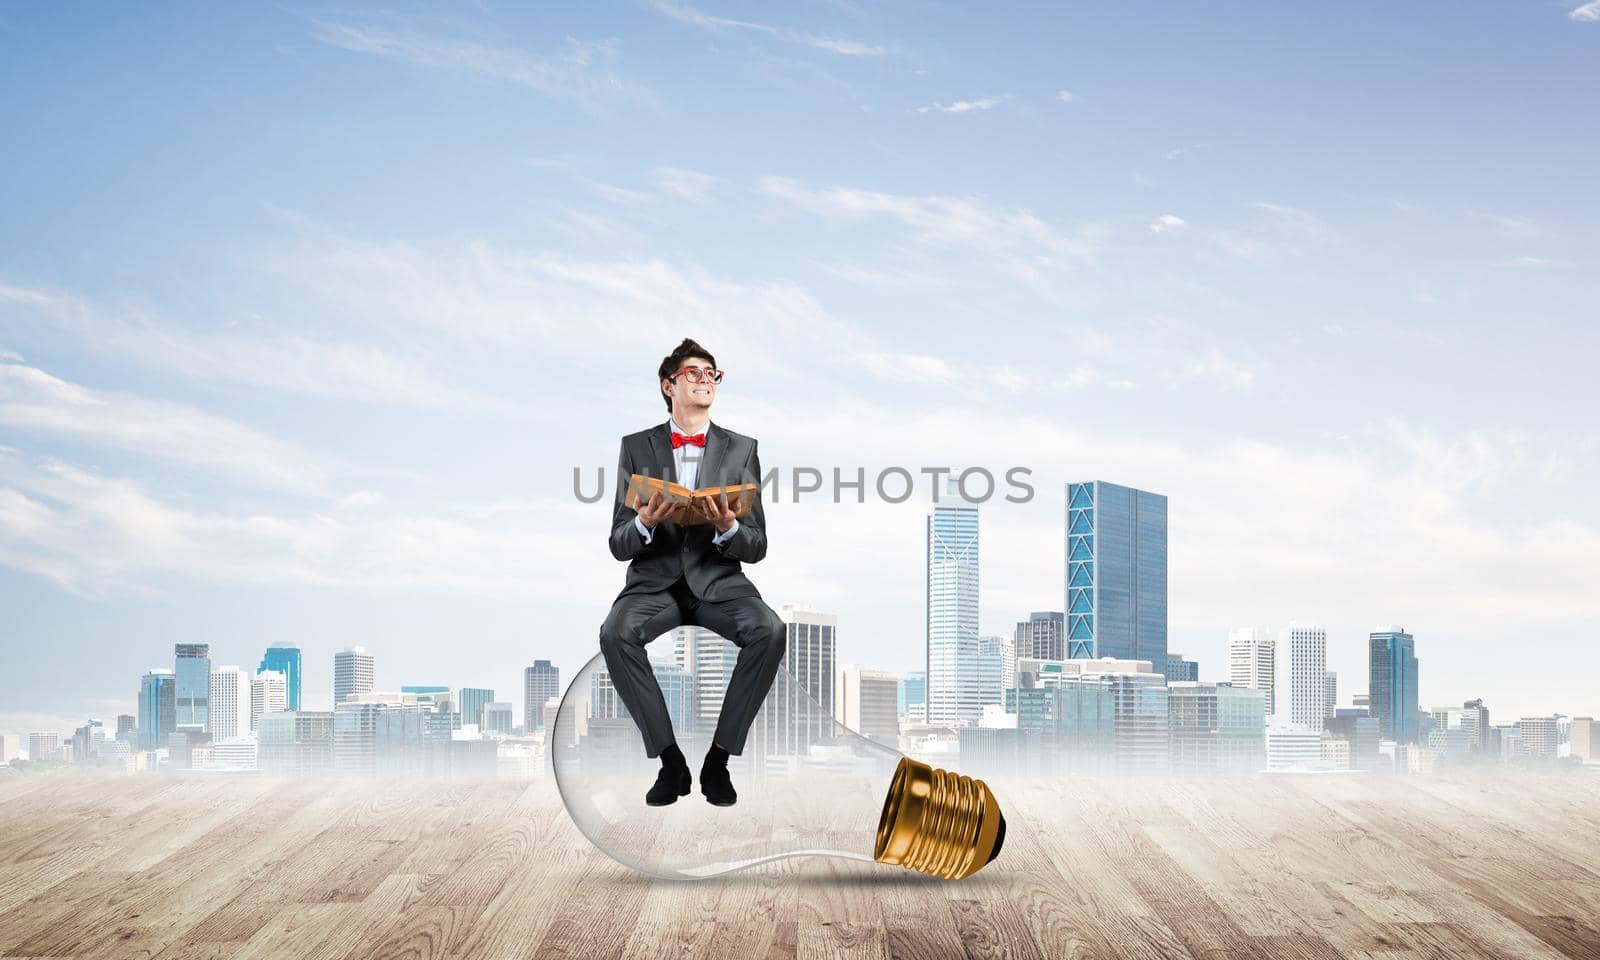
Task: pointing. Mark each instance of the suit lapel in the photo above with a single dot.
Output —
(661, 453)
(716, 440)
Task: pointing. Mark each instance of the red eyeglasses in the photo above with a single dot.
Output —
(698, 374)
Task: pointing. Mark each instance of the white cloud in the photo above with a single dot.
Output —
(683, 13)
(684, 184)
(1168, 223)
(1066, 96)
(286, 361)
(33, 400)
(1589, 12)
(359, 500)
(1278, 230)
(1528, 262)
(581, 74)
(1224, 372)
(943, 220)
(964, 106)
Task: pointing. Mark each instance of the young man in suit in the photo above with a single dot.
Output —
(689, 574)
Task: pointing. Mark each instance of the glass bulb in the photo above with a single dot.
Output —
(808, 786)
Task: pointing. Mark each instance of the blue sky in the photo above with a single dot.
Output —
(307, 313)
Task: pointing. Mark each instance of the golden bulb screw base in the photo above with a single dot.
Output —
(938, 822)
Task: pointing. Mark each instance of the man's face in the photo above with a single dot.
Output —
(686, 394)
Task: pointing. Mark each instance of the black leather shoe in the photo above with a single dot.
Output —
(717, 786)
(669, 786)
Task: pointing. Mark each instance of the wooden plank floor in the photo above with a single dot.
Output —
(1314, 868)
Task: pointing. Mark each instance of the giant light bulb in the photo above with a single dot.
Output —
(808, 786)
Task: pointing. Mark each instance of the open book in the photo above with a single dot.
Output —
(741, 497)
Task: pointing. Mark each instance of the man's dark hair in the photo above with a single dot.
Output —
(673, 362)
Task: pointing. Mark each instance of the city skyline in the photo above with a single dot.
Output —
(262, 382)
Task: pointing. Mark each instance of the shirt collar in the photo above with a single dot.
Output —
(673, 426)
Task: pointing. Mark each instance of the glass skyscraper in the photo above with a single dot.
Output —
(285, 660)
(157, 712)
(541, 682)
(1116, 573)
(1392, 673)
(954, 684)
(192, 696)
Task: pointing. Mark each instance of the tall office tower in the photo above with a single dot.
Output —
(1475, 727)
(352, 673)
(1584, 742)
(385, 733)
(1179, 670)
(1540, 736)
(158, 712)
(798, 711)
(86, 741)
(866, 701)
(472, 701)
(1216, 728)
(284, 658)
(1331, 688)
(1302, 676)
(1252, 662)
(127, 728)
(914, 695)
(1392, 677)
(540, 683)
(269, 693)
(954, 686)
(997, 669)
(43, 746)
(1116, 573)
(192, 669)
(1042, 636)
(709, 661)
(497, 718)
(230, 703)
(295, 742)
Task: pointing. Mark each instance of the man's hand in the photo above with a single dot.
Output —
(654, 510)
(717, 512)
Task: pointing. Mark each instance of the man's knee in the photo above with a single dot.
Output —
(774, 631)
(614, 635)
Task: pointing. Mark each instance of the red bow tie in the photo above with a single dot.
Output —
(679, 439)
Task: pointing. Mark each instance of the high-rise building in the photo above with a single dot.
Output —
(284, 658)
(1392, 674)
(1475, 725)
(678, 689)
(997, 669)
(1300, 687)
(497, 718)
(352, 673)
(708, 660)
(1253, 662)
(157, 708)
(269, 693)
(866, 702)
(1041, 637)
(1584, 742)
(1216, 728)
(954, 685)
(541, 682)
(384, 733)
(192, 670)
(43, 746)
(127, 728)
(472, 701)
(1331, 689)
(914, 695)
(1180, 670)
(295, 742)
(86, 741)
(798, 711)
(1540, 736)
(229, 703)
(1361, 731)
(1116, 572)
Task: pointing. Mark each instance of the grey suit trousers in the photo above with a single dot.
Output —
(638, 618)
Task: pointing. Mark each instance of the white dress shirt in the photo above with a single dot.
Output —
(686, 464)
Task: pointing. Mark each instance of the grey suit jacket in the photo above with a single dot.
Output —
(711, 570)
